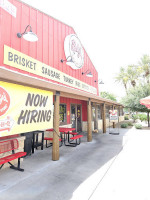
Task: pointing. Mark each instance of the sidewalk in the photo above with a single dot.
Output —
(111, 167)
(128, 177)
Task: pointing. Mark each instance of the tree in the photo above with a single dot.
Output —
(108, 95)
(132, 100)
(145, 66)
(133, 73)
(122, 77)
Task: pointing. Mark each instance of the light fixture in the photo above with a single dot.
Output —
(99, 81)
(29, 36)
(70, 60)
(88, 73)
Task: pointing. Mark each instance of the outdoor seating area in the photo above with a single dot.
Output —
(39, 139)
(36, 140)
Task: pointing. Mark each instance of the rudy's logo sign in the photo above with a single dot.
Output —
(74, 52)
(113, 114)
(4, 101)
(7, 123)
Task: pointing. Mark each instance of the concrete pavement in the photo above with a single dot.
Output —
(110, 167)
(129, 175)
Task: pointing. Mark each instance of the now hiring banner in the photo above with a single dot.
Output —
(24, 109)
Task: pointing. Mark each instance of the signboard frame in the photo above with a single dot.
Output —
(113, 116)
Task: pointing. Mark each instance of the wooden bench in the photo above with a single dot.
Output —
(51, 139)
(77, 139)
(11, 145)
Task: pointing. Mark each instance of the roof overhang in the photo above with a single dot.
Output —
(65, 91)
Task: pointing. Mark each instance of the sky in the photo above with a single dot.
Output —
(114, 33)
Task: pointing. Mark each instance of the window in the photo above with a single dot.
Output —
(62, 113)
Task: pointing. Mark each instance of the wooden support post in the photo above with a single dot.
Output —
(104, 117)
(119, 111)
(101, 107)
(114, 125)
(55, 147)
(89, 123)
(148, 119)
(122, 111)
(96, 117)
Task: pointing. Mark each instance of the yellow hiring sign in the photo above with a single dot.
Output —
(24, 109)
(26, 63)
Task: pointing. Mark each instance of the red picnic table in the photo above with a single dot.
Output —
(63, 129)
(65, 132)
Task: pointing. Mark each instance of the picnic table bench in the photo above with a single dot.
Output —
(77, 139)
(51, 143)
(7, 146)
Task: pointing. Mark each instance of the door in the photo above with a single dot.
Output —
(76, 116)
(73, 116)
(79, 118)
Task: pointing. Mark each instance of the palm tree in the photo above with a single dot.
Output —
(108, 95)
(122, 77)
(145, 65)
(133, 73)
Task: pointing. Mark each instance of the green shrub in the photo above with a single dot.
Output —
(135, 117)
(138, 126)
(142, 117)
(125, 125)
(126, 117)
(130, 124)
